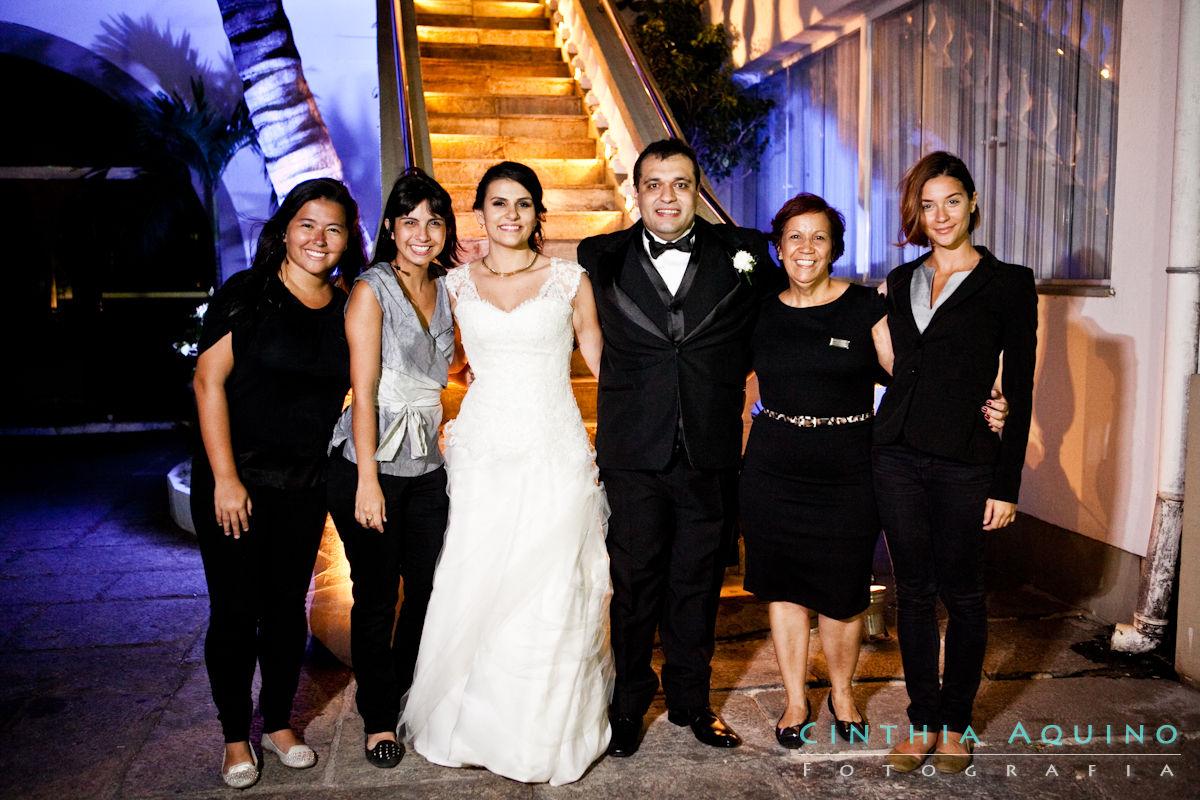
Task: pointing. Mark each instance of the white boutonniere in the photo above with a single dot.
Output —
(744, 263)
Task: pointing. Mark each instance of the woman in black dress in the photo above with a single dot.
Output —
(807, 499)
(272, 374)
(941, 477)
(808, 510)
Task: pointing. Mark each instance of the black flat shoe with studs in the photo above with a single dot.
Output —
(385, 754)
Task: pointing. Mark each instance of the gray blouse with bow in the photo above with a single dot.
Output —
(415, 365)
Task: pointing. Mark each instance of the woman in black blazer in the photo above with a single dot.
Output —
(941, 476)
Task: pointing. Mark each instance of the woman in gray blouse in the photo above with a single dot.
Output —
(387, 490)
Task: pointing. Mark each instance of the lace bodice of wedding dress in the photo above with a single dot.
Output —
(521, 398)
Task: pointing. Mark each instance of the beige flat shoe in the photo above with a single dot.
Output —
(298, 756)
(905, 762)
(243, 774)
(909, 762)
(950, 763)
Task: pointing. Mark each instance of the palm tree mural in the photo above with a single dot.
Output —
(291, 134)
(190, 129)
(199, 137)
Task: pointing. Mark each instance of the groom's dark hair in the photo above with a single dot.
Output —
(663, 149)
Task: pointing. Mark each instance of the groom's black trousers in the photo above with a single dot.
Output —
(665, 551)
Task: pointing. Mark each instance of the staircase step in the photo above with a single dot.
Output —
(503, 37)
(566, 127)
(435, 68)
(497, 88)
(561, 224)
(585, 389)
(436, 103)
(539, 23)
(513, 9)
(486, 52)
(473, 249)
(502, 87)
(598, 197)
(584, 386)
(502, 148)
(550, 171)
(562, 248)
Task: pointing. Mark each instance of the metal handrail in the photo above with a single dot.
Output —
(671, 126)
(404, 126)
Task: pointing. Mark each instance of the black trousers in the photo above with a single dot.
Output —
(383, 646)
(257, 586)
(665, 537)
(932, 514)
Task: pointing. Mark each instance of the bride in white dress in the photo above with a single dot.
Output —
(515, 671)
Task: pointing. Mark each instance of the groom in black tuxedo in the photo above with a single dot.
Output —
(677, 316)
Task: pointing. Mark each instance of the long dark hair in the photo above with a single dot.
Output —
(513, 171)
(412, 188)
(268, 258)
(272, 251)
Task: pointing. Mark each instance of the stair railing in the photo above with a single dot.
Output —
(403, 125)
(622, 87)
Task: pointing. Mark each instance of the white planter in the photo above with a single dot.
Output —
(179, 495)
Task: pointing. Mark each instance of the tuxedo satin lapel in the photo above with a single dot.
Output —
(652, 274)
(633, 312)
(693, 268)
(668, 304)
(729, 299)
(710, 279)
(636, 292)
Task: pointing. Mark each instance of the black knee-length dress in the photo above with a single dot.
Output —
(807, 502)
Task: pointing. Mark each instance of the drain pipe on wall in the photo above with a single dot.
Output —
(1182, 342)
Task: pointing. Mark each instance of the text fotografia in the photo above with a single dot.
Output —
(1053, 735)
(1011, 765)
(1057, 751)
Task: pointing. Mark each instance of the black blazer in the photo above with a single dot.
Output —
(675, 365)
(943, 376)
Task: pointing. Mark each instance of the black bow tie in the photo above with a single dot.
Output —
(683, 245)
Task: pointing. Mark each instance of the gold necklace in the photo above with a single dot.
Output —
(498, 273)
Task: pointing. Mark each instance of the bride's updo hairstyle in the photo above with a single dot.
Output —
(513, 171)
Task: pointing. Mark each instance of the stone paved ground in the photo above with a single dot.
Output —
(103, 692)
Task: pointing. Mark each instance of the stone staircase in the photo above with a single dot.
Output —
(497, 88)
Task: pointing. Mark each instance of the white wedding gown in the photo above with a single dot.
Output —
(515, 670)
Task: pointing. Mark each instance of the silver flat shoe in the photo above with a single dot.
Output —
(298, 756)
(242, 775)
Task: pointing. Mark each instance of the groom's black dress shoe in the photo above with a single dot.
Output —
(626, 735)
(708, 727)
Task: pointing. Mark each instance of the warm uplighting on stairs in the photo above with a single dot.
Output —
(497, 88)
